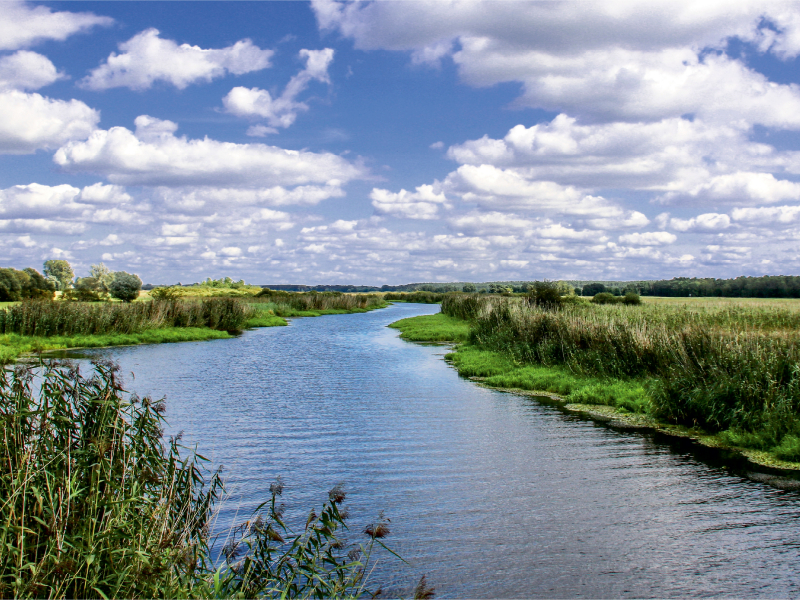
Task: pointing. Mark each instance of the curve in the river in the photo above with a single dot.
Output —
(490, 494)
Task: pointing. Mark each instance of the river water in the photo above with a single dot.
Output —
(489, 494)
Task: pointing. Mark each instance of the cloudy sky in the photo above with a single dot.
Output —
(391, 142)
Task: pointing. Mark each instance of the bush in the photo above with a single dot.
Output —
(87, 289)
(632, 299)
(125, 286)
(545, 295)
(604, 298)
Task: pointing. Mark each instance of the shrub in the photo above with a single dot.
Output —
(545, 295)
(632, 299)
(604, 298)
(125, 286)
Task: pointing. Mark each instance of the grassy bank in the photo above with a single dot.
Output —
(723, 373)
(56, 325)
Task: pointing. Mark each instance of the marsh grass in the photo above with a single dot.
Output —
(46, 319)
(720, 366)
(420, 297)
(94, 503)
(433, 328)
(312, 304)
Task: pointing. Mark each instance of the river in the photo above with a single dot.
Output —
(490, 494)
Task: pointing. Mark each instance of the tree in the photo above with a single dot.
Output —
(59, 272)
(545, 294)
(125, 286)
(592, 289)
(87, 289)
(103, 275)
(469, 288)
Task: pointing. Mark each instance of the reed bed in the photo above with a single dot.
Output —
(46, 319)
(421, 297)
(729, 369)
(287, 304)
(95, 504)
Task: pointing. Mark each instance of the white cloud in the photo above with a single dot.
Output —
(29, 122)
(649, 238)
(597, 60)
(26, 70)
(740, 188)
(35, 200)
(147, 58)
(422, 204)
(155, 156)
(767, 216)
(704, 222)
(281, 111)
(99, 193)
(22, 25)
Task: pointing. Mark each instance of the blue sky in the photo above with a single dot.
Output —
(390, 142)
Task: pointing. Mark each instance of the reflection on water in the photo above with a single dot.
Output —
(490, 494)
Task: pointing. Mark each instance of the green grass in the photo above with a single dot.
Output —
(432, 328)
(612, 357)
(13, 345)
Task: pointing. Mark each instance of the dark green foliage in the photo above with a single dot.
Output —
(545, 295)
(592, 289)
(87, 289)
(66, 318)
(769, 286)
(604, 298)
(631, 299)
(19, 285)
(469, 288)
(125, 286)
(59, 272)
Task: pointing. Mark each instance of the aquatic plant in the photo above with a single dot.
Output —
(94, 503)
(721, 368)
(67, 318)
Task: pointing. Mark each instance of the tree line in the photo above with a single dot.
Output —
(768, 286)
(58, 275)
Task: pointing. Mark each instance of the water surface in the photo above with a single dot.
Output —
(490, 494)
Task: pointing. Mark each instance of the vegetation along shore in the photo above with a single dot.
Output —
(59, 311)
(725, 374)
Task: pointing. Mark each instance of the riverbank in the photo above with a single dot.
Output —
(36, 327)
(620, 402)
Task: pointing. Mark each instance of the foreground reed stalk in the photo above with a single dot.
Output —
(732, 370)
(94, 503)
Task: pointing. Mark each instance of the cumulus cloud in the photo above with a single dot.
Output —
(596, 60)
(147, 58)
(26, 70)
(23, 25)
(773, 216)
(704, 222)
(649, 238)
(29, 122)
(153, 155)
(740, 188)
(281, 111)
(422, 204)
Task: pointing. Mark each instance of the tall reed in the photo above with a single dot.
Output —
(68, 318)
(94, 504)
(285, 303)
(723, 369)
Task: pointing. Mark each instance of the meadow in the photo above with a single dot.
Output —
(725, 368)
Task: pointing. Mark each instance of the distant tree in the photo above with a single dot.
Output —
(59, 272)
(545, 294)
(469, 288)
(604, 298)
(86, 289)
(39, 287)
(103, 275)
(592, 289)
(125, 286)
(19, 285)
